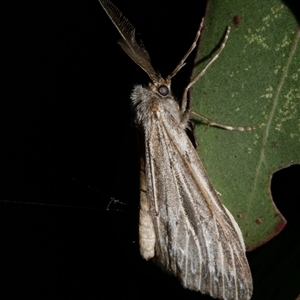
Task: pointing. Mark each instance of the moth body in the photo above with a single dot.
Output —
(183, 225)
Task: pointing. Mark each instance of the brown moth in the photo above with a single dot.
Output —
(183, 225)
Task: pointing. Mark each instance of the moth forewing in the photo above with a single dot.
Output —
(183, 225)
(197, 239)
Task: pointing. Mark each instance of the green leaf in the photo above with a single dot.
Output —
(255, 80)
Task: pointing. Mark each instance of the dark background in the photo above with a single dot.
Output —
(69, 161)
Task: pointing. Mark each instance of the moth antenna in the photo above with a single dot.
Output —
(136, 51)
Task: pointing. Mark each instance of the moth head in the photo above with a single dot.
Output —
(161, 86)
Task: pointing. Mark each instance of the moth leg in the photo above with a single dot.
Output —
(218, 193)
(182, 62)
(199, 75)
(185, 118)
(146, 229)
(227, 127)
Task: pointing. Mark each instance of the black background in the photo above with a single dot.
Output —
(69, 160)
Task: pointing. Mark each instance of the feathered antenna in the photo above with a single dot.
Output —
(135, 51)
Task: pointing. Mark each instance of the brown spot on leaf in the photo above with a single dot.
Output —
(237, 20)
(258, 221)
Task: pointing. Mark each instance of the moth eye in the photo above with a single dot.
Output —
(163, 90)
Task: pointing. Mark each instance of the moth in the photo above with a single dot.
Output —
(183, 225)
